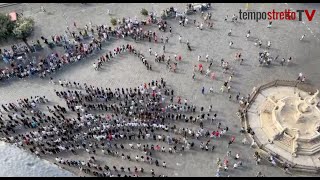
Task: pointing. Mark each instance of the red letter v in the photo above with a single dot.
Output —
(310, 17)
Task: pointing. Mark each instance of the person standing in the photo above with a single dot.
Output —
(260, 43)
(222, 88)
(228, 153)
(300, 76)
(230, 44)
(269, 44)
(229, 88)
(42, 9)
(238, 95)
(289, 60)
(164, 164)
(282, 61)
(213, 76)
(207, 58)
(211, 90)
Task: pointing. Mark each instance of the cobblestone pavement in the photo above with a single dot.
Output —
(129, 72)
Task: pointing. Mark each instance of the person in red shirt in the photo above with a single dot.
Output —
(155, 39)
(217, 134)
(226, 162)
(179, 100)
(232, 139)
(213, 133)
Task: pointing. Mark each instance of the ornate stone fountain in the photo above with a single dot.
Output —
(286, 122)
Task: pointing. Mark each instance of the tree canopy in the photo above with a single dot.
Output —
(6, 26)
(23, 28)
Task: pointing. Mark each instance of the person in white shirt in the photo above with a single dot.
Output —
(230, 44)
(302, 37)
(235, 165)
(95, 66)
(300, 76)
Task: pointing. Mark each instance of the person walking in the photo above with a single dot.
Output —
(202, 90)
(300, 76)
(230, 44)
(269, 44)
(302, 37)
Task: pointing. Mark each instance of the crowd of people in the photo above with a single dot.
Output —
(76, 46)
(102, 120)
(120, 50)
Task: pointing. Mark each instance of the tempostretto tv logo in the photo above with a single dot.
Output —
(277, 15)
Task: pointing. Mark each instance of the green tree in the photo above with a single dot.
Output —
(23, 28)
(113, 21)
(144, 12)
(6, 26)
